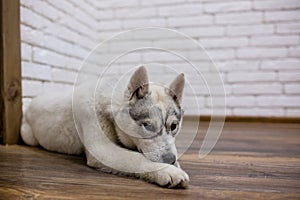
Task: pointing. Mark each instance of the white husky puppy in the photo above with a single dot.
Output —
(142, 129)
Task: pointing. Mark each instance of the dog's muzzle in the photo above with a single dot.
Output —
(169, 158)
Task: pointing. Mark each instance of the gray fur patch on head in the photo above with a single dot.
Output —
(157, 118)
(175, 111)
(144, 110)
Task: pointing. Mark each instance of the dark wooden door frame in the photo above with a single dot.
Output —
(10, 72)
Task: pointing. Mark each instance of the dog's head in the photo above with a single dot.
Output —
(151, 117)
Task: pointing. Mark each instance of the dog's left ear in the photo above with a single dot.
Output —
(175, 89)
(138, 85)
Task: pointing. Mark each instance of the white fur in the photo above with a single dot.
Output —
(49, 122)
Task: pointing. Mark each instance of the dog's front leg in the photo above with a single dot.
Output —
(108, 157)
(166, 175)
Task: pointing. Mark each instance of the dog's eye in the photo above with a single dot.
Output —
(173, 126)
(148, 126)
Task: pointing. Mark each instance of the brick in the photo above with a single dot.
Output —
(241, 101)
(251, 77)
(137, 23)
(104, 14)
(238, 65)
(153, 34)
(282, 64)
(289, 76)
(44, 9)
(190, 21)
(197, 55)
(105, 4)
(215, 102)
(52, 86)
(133, 57)
(224, 42)
(159, 57)
(264, 112)
(278, 4)
(31, 36)
(255, 52)
(27, 3)
(48, 57)
(189, 69)
(30, 18)
(255, 89)
(193, 106)
(128, 3)
(57, 44)
(200, 66)
(213, 79)
(289, 15)
(36, 71)
(26, 51)
(279, 101)
(104, 35)
(64, 47)
(160, 2)
(109, 25)
(202, 1)
(294, 52)
(215, 112)
(31, 88)
(123, 46)
(103, 59)
(87, 7)
(220, 7)
(272, 40)
(292, 112)
(137, 12)
(239, 18)
(72, 24)
(73, 63)
(292, 27)
(66, 6)
(69, 35)
(61, 75)
(292, 88)
(202, 89)
(249, 30)
(176, 43)
(198, 32)
(180, 10)
(115, 72)
(223, 54)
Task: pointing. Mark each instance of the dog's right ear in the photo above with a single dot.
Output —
(138, 85)
(176, 88)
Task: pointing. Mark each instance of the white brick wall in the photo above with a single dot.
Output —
(254, 43)
(55, 36)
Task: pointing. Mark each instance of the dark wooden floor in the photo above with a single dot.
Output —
(250, 161)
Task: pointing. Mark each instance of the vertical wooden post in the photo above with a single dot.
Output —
(10, 71)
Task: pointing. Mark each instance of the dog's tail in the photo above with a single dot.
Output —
(27, 134)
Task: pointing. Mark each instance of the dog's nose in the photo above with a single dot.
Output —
(169, 158)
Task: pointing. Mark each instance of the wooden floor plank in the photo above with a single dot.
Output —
(250, 161)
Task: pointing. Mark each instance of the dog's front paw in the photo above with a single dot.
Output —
(172, 177)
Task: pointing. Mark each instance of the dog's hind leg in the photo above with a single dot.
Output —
(27, 134)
